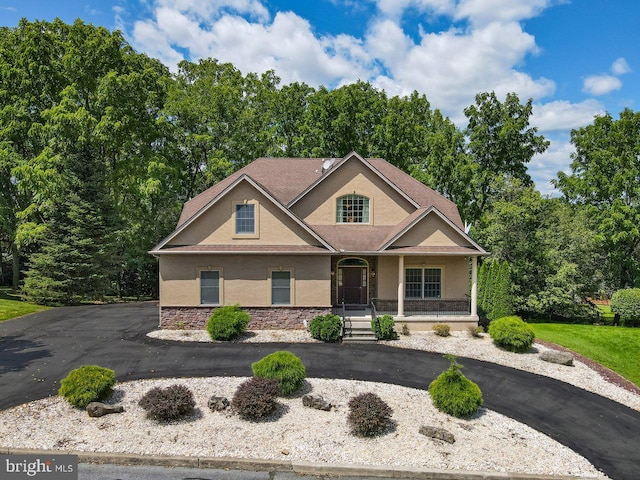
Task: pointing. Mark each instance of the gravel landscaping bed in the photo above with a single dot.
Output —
(489, 442)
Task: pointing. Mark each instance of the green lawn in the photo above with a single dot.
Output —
(11, 306)
(615, 347)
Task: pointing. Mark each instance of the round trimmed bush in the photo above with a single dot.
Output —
(453, 393)
(227, 322)
(442, 329)
(285, 368)
(168, 403)
(255, 398)
(385, 328)
(626, 303)
(512, 333)
(327, 328)
(369, 415)
(89, 383)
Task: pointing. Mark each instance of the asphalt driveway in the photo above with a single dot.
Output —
(38, 350)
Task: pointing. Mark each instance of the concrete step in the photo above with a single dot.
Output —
(360, 324)
(360, 333)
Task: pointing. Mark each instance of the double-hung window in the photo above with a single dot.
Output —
(423, 282)
(352, 209)
(245, 219)
(281, 287)
(210, 287)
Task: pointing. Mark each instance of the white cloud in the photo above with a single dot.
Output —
(601, 84)
(564, 115)
(482, 12)
(620, 67)
(545, 167)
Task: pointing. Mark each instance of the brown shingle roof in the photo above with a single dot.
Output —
(354, 238)
(243, 249)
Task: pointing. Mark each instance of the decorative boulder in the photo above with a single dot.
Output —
(555, 356)
(437, 433)
(217, 404)
(315, 401)
(98, 409)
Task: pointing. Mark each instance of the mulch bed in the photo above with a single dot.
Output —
(608, 374)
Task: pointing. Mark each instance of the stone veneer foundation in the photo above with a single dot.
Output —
(262, 318)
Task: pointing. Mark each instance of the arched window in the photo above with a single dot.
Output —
(352, 209)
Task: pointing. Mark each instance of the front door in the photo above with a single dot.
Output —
(352, 285)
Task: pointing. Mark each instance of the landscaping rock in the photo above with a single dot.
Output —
(217, 404)
(97, 409)
(437, 433)
(315, 401)
(555, 356)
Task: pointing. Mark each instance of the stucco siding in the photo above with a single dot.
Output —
(245, 279)
(387, 207)
(216, 226)
(455, 275)
(432, 231)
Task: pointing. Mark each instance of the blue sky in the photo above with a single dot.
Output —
(576, 59)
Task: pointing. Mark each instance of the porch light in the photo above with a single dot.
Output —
(373, 273)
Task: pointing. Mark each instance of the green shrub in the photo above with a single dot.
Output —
(453, 393)
(405, 329)
(87, 384)
(384, 328)
(368, 415)
(255, 398)
(512, 333)
(442, 329)
(284, 367)
(227, 322)
(327, 328)
(168, 403)
(626, 303)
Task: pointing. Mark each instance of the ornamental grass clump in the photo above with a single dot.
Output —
(285, 368)
(227, 323)
(453, 393)
(369, 415)
(512, 333)
(89, 383)
(327, 328)
(442, 329)
(255, 398)
(170, 403)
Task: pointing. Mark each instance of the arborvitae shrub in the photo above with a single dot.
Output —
(385, 328)
(327, 328)
(284, 367)
(442, 329)
(368, 415)
(227, 322)
(512, 333)
(455, 394)
(87, 384)
(476, 332)
(255, 398)
(626, 303)
(168, 403)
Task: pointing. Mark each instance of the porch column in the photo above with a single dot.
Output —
(401, 286)
(474, 286)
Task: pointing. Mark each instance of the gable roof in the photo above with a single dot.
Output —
(222, 192)
(285, 181)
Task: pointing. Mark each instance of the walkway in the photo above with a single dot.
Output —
(38, 350)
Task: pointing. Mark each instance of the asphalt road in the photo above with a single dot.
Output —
(38, 350)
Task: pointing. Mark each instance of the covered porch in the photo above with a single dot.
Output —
(419, 290)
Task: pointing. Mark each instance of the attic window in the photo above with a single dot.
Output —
(245, 219)
(352, 209)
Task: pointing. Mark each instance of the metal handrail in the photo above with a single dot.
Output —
(345, 331)
(374, 318)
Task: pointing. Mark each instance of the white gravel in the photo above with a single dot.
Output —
(489, 442)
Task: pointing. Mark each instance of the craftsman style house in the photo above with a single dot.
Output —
(291, 238)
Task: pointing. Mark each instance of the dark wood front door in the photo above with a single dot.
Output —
(352, 288)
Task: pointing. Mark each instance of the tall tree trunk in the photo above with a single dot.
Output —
(16, 265)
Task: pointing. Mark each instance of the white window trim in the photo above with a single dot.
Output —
(370, 207)
(292, 283)
(423, 267)
(220, 284)
(256, 219)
